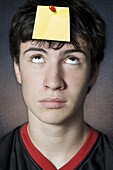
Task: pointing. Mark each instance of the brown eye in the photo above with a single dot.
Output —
(72, 60)
(37, 59)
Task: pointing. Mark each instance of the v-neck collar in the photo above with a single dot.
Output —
(45, 164)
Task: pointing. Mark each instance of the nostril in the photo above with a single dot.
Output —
(54, 84)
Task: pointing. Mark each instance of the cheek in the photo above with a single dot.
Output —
(31, 83)
(77, 84)
(77, 87)
(77, 79)
(30, 76)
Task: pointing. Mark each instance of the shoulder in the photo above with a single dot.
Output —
(105, 150)
(8, 143)
(9, 138)
(106, 142)
(107, 145)
(100, 155)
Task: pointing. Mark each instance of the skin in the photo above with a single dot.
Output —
(57, 129)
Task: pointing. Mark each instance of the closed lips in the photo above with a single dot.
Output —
(53, 103)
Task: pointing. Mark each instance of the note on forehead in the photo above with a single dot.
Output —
(52, 25)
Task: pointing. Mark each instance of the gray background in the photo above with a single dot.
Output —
(98, 110)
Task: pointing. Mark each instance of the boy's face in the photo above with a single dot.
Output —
(54, 82)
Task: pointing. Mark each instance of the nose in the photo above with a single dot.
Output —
(54, 78)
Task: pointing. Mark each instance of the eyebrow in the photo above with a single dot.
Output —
(74, 50)
(65, 52)
(35, 49)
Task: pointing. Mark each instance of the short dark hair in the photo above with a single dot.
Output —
(85, 23)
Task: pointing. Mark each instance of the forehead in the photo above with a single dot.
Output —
(54, 45)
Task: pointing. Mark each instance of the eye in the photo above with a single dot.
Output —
(37, 59)
(72, 60)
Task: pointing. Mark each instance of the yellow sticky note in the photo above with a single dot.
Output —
(52, 25)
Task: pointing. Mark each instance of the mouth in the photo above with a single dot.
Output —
(53, 103)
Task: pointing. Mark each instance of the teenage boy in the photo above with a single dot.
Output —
(55, 77)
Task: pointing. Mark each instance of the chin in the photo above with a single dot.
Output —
(55, 117)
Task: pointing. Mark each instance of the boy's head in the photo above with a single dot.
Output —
(55, 76)
(85, 23)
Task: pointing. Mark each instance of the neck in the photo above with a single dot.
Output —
(57, 141)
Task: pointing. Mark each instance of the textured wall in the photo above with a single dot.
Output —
(99, 103)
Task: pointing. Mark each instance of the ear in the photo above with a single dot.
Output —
(17, 72)
(94, 74)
